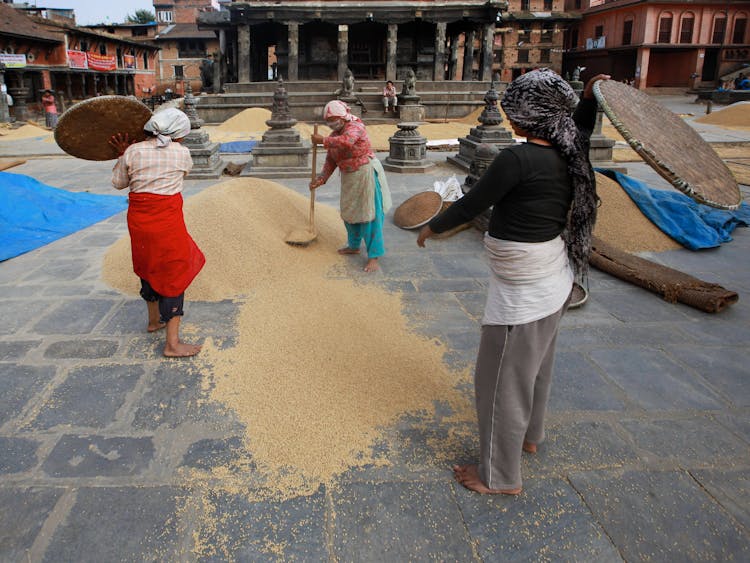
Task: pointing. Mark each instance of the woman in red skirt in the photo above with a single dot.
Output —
(165, 257)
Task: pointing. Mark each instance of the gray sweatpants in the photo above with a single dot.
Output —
(512, 382)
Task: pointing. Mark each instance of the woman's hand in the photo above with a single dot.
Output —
(120, 142)
(588, 91)
(424, 233)
(316, 183)
(316, 139)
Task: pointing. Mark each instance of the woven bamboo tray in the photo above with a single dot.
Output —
(418, 210)
(85, 129)
(672, 148)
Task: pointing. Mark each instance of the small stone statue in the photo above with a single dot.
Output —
(577, 74)
(207, 74)
(410, 84)
(347, 85)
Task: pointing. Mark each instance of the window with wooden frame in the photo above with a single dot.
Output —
(720, 29)
(686, 28)
(627, 32)
(665, 29)
(738, 34)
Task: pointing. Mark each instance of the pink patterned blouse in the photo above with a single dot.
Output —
(348, 149)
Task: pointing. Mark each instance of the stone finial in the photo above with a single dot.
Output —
(281, 116)
(491, 115)
(189, 107)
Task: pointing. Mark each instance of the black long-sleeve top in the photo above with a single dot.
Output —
(529, 187)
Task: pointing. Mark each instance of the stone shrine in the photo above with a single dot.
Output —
(281, 152)
(205, 154)
(490, 131)
(408, 150)
(409, 108)
(483, 156)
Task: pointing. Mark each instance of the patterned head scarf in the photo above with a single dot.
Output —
(167, 125)
(542, 103)
(337, 108)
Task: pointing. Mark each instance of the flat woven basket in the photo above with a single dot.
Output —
(672, 148)
(418, 210)
(85, 129)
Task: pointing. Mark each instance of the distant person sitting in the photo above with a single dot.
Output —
(389, 97)
(743, 84)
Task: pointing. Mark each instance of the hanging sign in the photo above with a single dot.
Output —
(101, 62)
(13, 60)
(77, 59)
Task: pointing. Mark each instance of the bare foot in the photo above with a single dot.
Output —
(529, 447)
(155, 327)
(348, 250)
(468, 476)
(372, 265)
(181, 350)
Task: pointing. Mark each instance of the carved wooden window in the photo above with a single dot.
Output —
(720, 28)
(627, 32)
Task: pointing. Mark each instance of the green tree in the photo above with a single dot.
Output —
(141, 16)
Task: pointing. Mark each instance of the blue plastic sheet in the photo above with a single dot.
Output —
(237, 146)
(690, 223)
(33, 214)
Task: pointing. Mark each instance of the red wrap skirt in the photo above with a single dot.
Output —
(164, 254)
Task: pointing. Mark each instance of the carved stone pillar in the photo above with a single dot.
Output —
(488, 38)
(468, 55)
(18, 92)
(343, 51)
(293, 64)
(243, 53)
(390, 62)
(438, 72)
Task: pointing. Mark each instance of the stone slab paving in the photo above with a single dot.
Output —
(647, 454)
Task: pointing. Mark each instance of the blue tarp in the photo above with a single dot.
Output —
(237, 146)
(690, 223)
(33, 214)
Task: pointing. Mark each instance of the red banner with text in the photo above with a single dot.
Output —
(77, 59)
(101, 62)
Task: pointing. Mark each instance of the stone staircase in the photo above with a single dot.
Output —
(441, 99)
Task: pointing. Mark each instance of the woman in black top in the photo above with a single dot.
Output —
(539, 237)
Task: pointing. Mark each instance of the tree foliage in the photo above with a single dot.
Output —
(141, 16)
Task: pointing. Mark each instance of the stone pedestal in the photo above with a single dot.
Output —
(483, 157)
(205, 154)
(411, 113)
(600, 151)
(408, 151)
(281, 152)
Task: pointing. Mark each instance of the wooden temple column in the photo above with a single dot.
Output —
(468, 55)
(243, 53)
(453, 59)
(343, 50)
(392, 44)
(488, 38)
(293, 57)
(438, 72)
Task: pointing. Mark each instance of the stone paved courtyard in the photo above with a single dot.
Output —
(647, 457)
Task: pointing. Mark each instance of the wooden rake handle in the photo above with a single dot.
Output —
(312, 178)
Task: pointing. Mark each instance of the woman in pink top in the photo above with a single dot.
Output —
(365, 197)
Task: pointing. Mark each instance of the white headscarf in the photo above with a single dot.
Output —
(337, 108)
(167, 125)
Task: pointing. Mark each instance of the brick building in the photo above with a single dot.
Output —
(659, 43)
(186, 52)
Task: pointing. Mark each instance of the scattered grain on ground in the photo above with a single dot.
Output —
(322, 365)
(26, 131)
(734, 116)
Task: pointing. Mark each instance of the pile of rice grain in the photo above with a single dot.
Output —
(321, 364)
(734, 116)
(620, 223)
